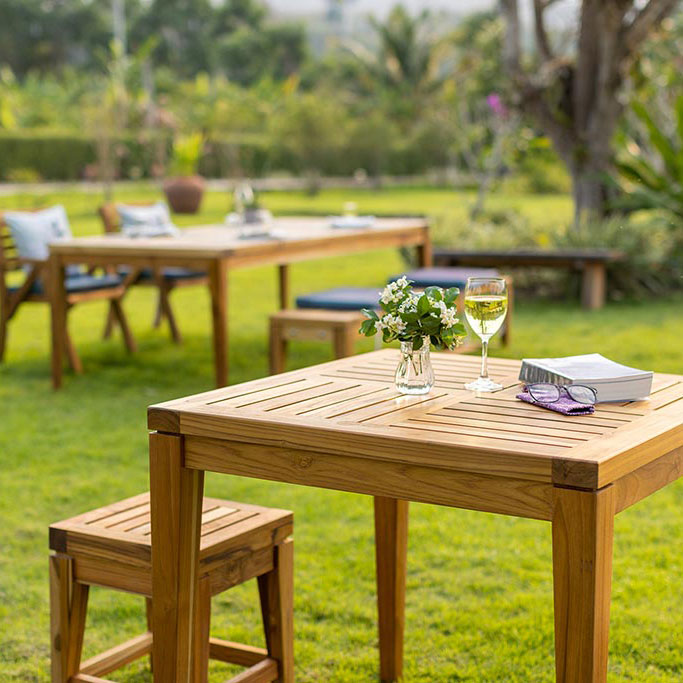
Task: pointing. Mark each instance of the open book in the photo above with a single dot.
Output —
(612, 381)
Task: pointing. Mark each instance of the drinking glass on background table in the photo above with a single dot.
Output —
(486, 304)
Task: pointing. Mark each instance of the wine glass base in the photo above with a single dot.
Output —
(483, 384)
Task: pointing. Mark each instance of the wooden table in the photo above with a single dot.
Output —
(217, 249)
(592, 264)
(342, 426)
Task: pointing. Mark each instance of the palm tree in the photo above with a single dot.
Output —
(409, 55)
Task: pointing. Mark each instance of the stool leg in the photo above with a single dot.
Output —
(68, 608)
(148, 617)
(343, 341)
(278, 349)
(276, 589)
(200, 660)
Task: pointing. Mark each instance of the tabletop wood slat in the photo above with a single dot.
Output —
(351, 407)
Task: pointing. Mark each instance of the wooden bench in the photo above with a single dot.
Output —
(339, 327)
(591, 262)
(112, 547)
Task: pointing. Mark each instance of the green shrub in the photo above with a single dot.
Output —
(538, 170)
(653, 252)
(52, 156)
(23, 175)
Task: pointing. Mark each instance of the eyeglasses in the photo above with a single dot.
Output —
(543, 392)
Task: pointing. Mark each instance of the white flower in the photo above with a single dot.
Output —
(402, 282)
(392, 323)
(389, 295)
(448, 316)
(409, 305)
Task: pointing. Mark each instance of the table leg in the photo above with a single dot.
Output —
(218, 285)
(424, 251)
(57, 295)
(583, 531)
(593, 286)
(176, 508)
(391, 543)
(283, 284)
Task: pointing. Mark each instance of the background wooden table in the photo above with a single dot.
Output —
(343, 426)
(217, 249)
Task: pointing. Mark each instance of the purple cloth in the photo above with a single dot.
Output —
(565, 405)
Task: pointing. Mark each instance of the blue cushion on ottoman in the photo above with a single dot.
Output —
(446, 277)
(341, 299)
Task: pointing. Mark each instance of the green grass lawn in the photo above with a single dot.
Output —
(479, 585)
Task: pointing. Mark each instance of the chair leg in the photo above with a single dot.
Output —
(4, 322)
(200, 658)
(117, 312)
(278, 349)
(159, 314)
(165, 303)
(109, 325)
(68, 608)
(72, 355)
(276, 589)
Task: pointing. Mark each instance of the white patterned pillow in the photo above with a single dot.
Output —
(146, 221)
(33, 231)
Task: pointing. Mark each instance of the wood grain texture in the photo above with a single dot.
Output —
(350, 473)
(391, 545)
(351, 406)
(236, 653)
(118, 656)
(583, 530)
(648, 479)
(276, 590)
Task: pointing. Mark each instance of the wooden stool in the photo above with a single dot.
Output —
(111, 547)
(339, 327)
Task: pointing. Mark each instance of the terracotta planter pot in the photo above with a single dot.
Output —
(184, 194)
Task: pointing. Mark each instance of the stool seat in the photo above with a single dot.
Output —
(339, 327)
(445, 277)
(112, 547)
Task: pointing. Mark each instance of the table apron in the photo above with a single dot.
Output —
(134, 260)
(418, 483)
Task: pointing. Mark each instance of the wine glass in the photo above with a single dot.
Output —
(486, 304)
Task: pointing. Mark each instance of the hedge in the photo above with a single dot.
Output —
(67, 156)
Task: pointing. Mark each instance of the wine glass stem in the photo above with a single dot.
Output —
(484, 359)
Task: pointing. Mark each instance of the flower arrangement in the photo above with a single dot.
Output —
(411, 317)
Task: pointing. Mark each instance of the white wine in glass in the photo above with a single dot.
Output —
(486, 305)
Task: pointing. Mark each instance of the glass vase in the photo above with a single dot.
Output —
(414, 374)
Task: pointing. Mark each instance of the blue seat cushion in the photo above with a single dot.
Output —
(445, 277)
(170, 273)
(341, 299)
(77, 284)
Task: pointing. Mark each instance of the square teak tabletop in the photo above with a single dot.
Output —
(217, 249)
(343, 426)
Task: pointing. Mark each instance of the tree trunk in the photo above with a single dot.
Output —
(589, 194)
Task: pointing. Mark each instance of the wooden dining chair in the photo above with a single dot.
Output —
(80, 287)
(166, 280)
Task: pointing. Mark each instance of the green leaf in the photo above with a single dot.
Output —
(417, 343)
(423, 305)
(435, 293)
(658, 139)
(369, 313)
(451, 295)
(368, 328)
